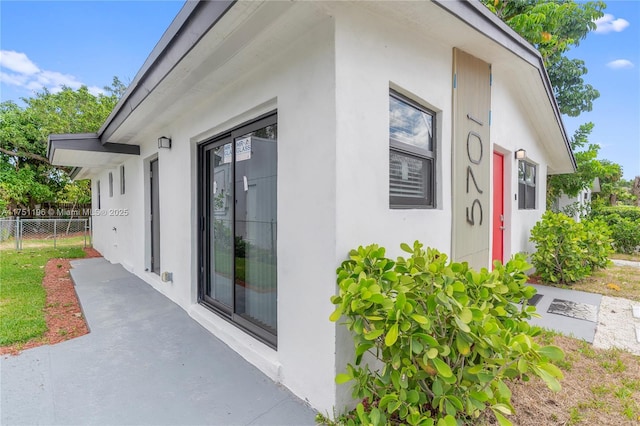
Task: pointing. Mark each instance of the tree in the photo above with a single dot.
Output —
(27, 176)
(553, 27)
(609, 175)
(635, 190)
(588, 167)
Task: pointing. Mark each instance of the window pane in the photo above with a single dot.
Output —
(256, 227)
(409, 178)
(221, 228)
(410, 125)
(526, 185)
(521, 173)
(530, 201)
(122, 187)
(530, 176)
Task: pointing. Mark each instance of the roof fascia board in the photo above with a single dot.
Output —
(193, 21)
(74, 172)
(55, 138)
(87, 142)
(477, 16)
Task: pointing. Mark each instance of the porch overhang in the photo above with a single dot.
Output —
(86, 151)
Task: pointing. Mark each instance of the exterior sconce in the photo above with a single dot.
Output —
(521, 154)
(164, 142)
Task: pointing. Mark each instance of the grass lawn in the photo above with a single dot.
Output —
(22, 297)
(614, 281)
(34, 243)
(622, 256)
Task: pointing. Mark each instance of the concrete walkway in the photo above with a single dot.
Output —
(145, 361)
(604, 321)
(570, 312)
(621, 262)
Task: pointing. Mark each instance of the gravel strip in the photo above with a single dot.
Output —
(616, 325)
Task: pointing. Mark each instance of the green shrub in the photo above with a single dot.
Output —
(627, 212)
(566, 250)
(435, 341)
(597, 242)
(624, 222)
(625, 234)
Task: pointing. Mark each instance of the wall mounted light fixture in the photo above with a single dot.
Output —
(164, 142)
(521, 154)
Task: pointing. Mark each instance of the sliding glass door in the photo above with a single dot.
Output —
(239, 216)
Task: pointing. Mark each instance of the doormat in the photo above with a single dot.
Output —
(534, 300)
(582, 311)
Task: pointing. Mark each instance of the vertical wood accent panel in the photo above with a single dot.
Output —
(471, 157)
(497, 252)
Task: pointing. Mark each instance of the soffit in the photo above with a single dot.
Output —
(86, 150)
(249, 33)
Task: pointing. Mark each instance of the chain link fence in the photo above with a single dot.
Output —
(36, 233)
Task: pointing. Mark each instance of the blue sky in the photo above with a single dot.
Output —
(50, 43)
(53, 43)
(612, 56)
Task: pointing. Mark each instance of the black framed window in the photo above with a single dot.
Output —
(122, 180)
(98, 192)
(238, 206)
(110, 184)
(526, 185)
(411, 154)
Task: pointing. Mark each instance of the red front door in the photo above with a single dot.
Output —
(497, 252)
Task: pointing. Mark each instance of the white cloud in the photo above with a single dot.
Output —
(609, 23)
(95, 90)
(619, 64)
(13, 79)
(56, 79)
(17, 62)
(24, 73)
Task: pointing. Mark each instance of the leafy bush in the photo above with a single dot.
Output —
(624, 222)
(596, 240)
(627, 212)
(566, 250)
(435, 342)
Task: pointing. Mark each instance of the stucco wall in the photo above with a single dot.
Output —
(373, 55)
(299, 84)
(574, 207)
(512, 130)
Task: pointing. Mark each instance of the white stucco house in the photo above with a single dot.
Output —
(579, 205)
(293, 132)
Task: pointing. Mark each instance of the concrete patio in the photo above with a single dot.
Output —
(145, 362)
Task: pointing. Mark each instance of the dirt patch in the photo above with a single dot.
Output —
(601, 387)
(62, 311)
